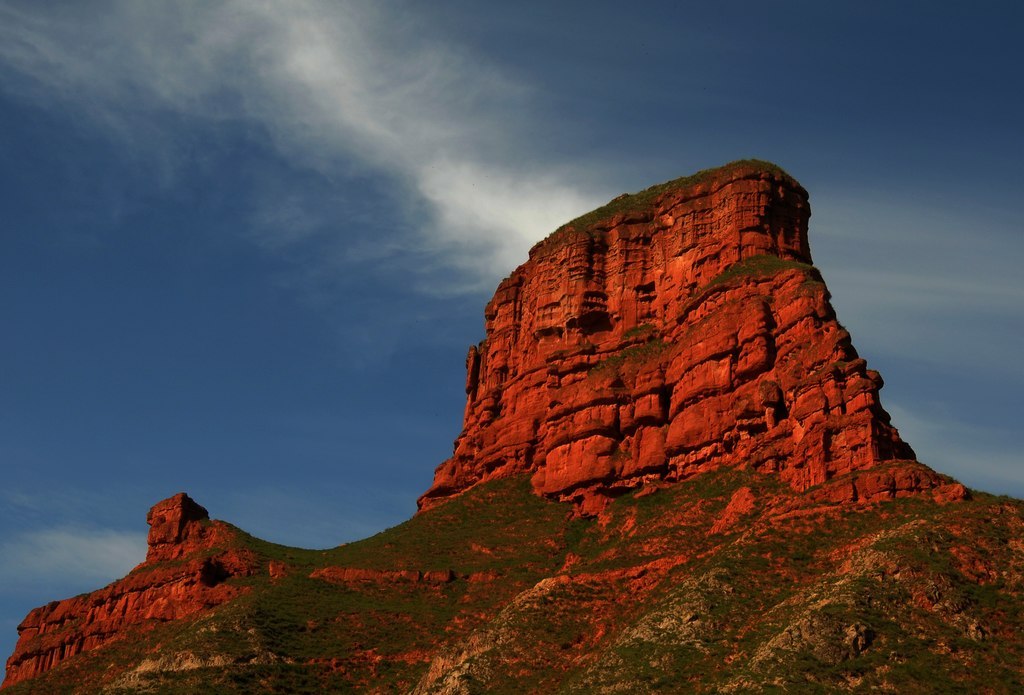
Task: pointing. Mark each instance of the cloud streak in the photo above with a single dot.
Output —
(339, 88)
(50, 555)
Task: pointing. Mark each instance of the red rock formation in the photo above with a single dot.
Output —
(666, 334)
(176, 528)
(182, 575)
(889, 482)
(741, 503)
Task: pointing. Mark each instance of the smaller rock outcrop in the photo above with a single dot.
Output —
(188, 560)
(176, 528)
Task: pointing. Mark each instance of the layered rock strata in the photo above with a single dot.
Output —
(187, 563)
(671, 332)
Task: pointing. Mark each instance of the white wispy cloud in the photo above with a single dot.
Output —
(58, 506)
(51, 555)
(337, 87)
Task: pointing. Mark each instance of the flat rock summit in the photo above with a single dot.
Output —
(675, 474)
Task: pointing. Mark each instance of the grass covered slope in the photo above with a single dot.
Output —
(728, 582)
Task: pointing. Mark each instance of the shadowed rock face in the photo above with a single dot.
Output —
(669, 333)
(183, 574)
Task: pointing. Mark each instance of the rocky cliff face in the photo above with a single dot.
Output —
(184, 573)
(669, 333)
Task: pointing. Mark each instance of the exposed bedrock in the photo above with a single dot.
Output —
(671, 332)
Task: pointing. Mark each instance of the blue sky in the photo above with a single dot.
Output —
(246, 244)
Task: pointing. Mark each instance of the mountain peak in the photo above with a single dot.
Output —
(670, 332)
(644, 204)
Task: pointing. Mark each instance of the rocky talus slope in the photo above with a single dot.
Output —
(674, 475)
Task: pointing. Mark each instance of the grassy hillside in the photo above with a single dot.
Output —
(726, 583)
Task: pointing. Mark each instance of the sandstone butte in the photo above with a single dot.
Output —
(672, 333)
(666, 334)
